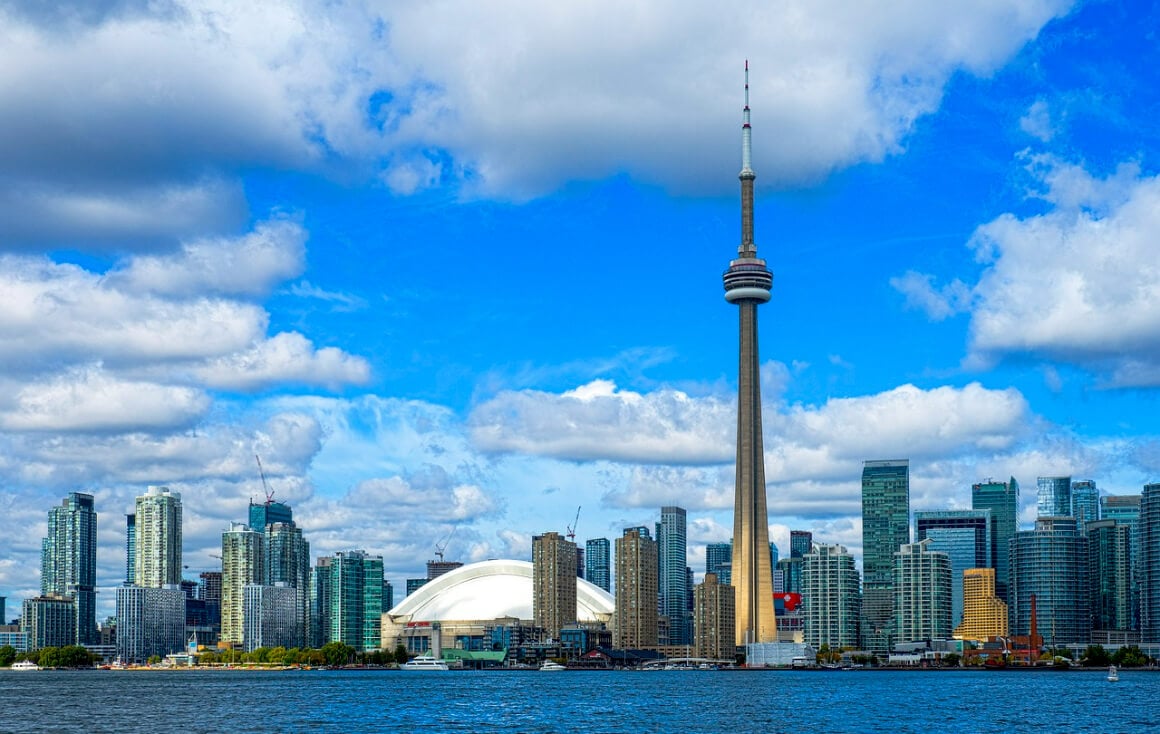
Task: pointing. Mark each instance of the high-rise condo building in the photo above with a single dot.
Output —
(1051, 563)
(747, 284)
(673, 580)
(553, 583)
(1054, 497)
(1002, 499)
(922, 593)
(243, 563)
(984, 614)
(158, 538)
(1149, 566)
(1085, 503)
(598, 562)
(1110, 575)
(713, 620)
(965, 536)
(885, 529)
(1125, 510)
(68, 561)
(268, 513)
(719, 560)
(636, 590)
(272, 617)
(150, 622)
(49, 621)
(347, 599)
(287, 562)
(791, 574)
(832, 597)
(800, 543)
(130, 549)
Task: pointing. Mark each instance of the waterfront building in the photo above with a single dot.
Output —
(130, 549)
(673, 588)
(1002, 499)
(12, 636)
(747, 283)
(598, 562)
(800, 543)
(157, 538)
(831, 597)
(984, 614)
(49, 621)
(922, 593)
(347, 599)
(287, 561)
(553, 583)
(68, 561)
(713, 620)
(272, 616)
(1054, 497)
(1125, 510)
(1149, 566)
(1110, 575)
(965, 536)
(1051, 563)
(150, 622)
(320, 585)
(636, 621)
(1085, 503)
(243, 563)
(885, 529)
(719, 560)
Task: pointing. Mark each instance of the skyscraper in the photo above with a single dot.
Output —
(719, 560)
(965, 536)
(150, 621)
(273, 616)
(636, 590)
(158, 538)
(885, 529)
(553, 583)
(268, 513)
(747, 284)
(1125, 510)
(1149, 566)
(922, 593)
(1002, 499)
(1110, 575)
(347, 599)
(984, 614)
(1054, 497)
(130, 549)
(1085, 503)
(1051, 563)
(714, 617)
(832, 598)
(287, 562)
(800, 543)
(672, 561)
(68, 562)
(243, 563)
(598, 562)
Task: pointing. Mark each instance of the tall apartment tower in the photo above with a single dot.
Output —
(68, 561)
(287, 562)
(885, 529)
(130, 549)
(553, 583)
(1110, 575)
(1149, 566)
(984, 614)
(719, 560)
(1002, 499)
(673, 563)
(598, 562)
(1085, 503)
(636, 590)
(1051, 564)
(713, 620)
(800, 543)
(158, 538)
(922, 593)
(747, 284)
(243, 563)
(347, 600)
(1125, 510)
(832, 597)
(1054, 497)
(965, 536)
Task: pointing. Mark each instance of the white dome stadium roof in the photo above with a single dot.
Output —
(492, 589)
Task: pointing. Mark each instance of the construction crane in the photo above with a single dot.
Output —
(265, 487)
(440, 547)
(572, 528)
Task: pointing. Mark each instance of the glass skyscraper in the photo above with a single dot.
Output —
(1054, 497)
(1051, 562)
(719, 560)
(1085, 503)
(965, 536)
(288, 562)
(1002, 499)
(1149, 566)
(885, 529)
(800, 542)
(347, 600)
(672, 561)
(1110, 575)
(68, 561)
(598, 562)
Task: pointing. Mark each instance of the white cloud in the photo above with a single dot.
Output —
(937, 303)
(1037, 122)
(284, 358)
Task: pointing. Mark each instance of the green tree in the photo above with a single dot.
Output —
(1130, 656)
(154, 659)
(49, 657)
(7, 656)
(400, 654)
(951, 659)
(337, 653)
(1096, 655)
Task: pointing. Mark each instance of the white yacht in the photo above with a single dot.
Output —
(426, 661)
(551, 666)
(1113, 674)
(25, 665)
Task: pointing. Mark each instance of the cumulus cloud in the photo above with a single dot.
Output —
(1037, 121)
(284, 358)
(937, 303)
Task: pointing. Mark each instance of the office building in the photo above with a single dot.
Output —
(832, 597)
(1085, 503)
(922, 593)
(800, 543)
(637, 570)
(49, 621)
(1054, 497)
(672, 559)
(553, 583)
(747, 283)
(1051, 563)
(347, 599)
(1110, 575)
(1149, 565)
(1002, 499)
(243, 563)
(984, 613)
(713, 620)
(68, 561)
(272, 616)
(965, 536)
(719, 560)
(157, 538)
(598, 562)
(150, 622)
(885, 529)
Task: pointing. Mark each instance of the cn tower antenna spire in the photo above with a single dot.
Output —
(746, 131)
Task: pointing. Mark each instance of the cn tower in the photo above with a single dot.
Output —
(747, 284)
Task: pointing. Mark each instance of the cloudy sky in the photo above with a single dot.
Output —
(452, 269)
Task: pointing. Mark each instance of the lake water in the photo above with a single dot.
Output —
(579, 702)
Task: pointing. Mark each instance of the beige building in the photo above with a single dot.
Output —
(157, 560)
(714, 619)
(242, 563)
(984, 614)
(635, 626)
(553, 583)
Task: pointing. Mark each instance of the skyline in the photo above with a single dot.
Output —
(456, 295)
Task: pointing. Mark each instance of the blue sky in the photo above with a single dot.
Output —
(453, 269)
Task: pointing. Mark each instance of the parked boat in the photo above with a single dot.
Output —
(551, 666)
(25, 665)
(1113, 674)
(426, 661)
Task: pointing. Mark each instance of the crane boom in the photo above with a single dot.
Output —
(571, 534)
(265, 487)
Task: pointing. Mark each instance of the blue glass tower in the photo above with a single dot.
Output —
(598, 562)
